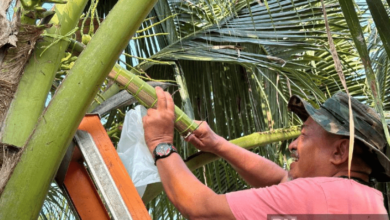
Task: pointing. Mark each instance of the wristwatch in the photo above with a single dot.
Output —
(163, 150)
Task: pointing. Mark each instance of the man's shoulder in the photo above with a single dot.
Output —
(311, 181)
(319, 180)
(334, 183)
(331, 195)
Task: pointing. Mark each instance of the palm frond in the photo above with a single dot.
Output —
(56, 205)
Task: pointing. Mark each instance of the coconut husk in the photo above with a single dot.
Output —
(8, 29)
(9, 157)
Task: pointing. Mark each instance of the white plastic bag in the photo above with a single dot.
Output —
(134, 153)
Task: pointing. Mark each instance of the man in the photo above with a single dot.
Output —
(318, 176)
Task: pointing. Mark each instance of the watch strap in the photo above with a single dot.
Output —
(157, 156)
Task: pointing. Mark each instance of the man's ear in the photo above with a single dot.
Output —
(340, 151)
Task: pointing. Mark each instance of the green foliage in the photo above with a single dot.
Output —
(56, 205)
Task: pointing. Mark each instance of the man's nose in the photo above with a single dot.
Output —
(293, 145)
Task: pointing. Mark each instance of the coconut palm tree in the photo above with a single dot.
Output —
(235, 63)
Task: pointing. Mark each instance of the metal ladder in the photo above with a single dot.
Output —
(94, 179)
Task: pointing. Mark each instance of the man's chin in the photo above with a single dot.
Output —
(291, 176)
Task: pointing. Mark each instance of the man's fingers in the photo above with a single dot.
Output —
(199, 128)
(194, 140)
(161, 99)
(189, 138)
(151, 111)
(170, 103)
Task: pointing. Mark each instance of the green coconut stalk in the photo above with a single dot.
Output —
(112, 90)
(146, 95)
(248, 142)
(75, 47)
(30, 97)
(26, 190)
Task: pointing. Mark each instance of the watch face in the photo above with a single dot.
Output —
(163, 150)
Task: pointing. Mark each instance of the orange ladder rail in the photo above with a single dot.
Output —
(100, 155)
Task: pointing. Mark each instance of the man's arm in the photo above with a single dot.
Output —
(193, 199)
(254, 169)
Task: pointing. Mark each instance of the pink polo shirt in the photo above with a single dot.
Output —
(320, 195)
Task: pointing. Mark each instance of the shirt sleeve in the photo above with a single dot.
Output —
(295, 197)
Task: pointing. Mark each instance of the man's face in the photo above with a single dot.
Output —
(312, 151)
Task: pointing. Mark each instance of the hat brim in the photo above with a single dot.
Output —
(303, 109)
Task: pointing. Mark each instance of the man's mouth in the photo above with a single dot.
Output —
(294, 156)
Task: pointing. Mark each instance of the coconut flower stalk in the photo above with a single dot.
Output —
(146, 95)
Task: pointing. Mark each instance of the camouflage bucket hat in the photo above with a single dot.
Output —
(333, 116)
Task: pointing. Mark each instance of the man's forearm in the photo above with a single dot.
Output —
(179, 183)
(187, 193)
(193, 199)
(254, 169)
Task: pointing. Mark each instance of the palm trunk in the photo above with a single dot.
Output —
(26, 189)
(30, 79)
(38, 76)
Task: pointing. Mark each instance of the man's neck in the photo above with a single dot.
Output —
(354, 174)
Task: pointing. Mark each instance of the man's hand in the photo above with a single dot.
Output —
(159, 122)
(205, 139)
